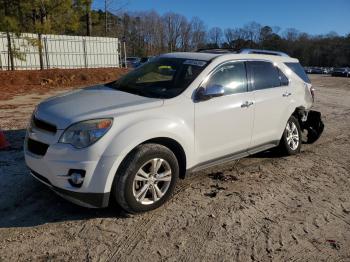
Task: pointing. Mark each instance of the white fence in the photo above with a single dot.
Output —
(59, 51)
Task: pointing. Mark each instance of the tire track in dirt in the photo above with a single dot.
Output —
(146, 222)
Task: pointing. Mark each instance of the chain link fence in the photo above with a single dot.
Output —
(32, 51)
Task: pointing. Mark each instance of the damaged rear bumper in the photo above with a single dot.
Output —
(313, 125)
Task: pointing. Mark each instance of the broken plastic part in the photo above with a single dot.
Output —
(314, 126)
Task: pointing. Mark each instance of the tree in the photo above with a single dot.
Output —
(10, 24)
(198, 32)
(84, 7)
(173, 23)
(252, 31)
(215, 36)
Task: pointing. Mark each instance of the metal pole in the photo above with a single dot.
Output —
(46, 53)
(120, 54)
(85, 53)
(1, 51)
(119, 46)
(126, 66)
(106, 18)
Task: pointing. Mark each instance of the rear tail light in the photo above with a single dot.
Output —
(312, 91)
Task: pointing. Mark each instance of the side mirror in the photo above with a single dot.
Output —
(209, 92)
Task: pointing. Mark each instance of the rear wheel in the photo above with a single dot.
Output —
(290, 143)
(146, 178)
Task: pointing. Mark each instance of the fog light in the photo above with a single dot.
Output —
(76, 177)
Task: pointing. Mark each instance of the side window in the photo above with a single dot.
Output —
(299, 70)
(232, 76)
(264, 75)
(283, 79)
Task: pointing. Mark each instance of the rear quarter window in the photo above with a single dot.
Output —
(265, 75)
(299, 70)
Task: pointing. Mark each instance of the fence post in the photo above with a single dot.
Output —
(10, 62)
(40, 47)
(46, 53)
(1, 44)
(0, 58)
(119, 49)
(85, 53)
(126, 66)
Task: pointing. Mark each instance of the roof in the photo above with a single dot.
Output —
(192, 55)
(206, 56)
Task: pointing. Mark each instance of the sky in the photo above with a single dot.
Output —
(310, 16)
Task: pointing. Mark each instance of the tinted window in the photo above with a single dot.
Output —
(232, 76)
(299, 70)
(161, 77)
(264, 75)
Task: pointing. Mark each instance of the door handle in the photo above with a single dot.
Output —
(247, 104)
(286, 94)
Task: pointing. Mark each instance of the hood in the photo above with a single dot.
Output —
(89, 103)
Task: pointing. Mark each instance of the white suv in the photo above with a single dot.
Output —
(132, 139)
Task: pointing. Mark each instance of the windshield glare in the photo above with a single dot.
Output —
(160, 78)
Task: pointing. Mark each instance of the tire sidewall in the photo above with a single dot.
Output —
(140, 158)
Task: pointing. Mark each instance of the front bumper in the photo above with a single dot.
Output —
(90, 200)
(54, 165)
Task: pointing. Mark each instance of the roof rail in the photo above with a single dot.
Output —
(262, 52)
(216, 50)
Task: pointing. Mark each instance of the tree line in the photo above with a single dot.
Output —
(149, 33)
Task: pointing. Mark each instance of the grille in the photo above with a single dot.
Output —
(44, 125)
(37, 147)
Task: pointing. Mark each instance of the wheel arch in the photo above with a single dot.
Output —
(299, 114)
(168, 142)
(175, 147)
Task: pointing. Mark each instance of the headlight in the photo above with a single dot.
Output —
(85, 133)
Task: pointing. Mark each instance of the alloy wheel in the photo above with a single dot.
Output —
(292, 135)
(152, 181)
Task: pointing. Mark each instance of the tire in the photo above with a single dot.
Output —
(290, 143)
(142, 182)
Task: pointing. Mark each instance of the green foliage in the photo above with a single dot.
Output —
(16, 52)
(40, 16)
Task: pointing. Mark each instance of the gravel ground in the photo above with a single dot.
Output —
(261, 208)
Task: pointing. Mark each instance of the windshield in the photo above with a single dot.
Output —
(160, 78)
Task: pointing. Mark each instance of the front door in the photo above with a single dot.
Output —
(223, 125)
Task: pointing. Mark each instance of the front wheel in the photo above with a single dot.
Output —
(290, 143)
(146, 178)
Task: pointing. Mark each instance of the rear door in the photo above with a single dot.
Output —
(271, 91)
(223, 125)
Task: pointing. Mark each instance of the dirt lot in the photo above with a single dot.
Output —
(261, 208)
(40, 82)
